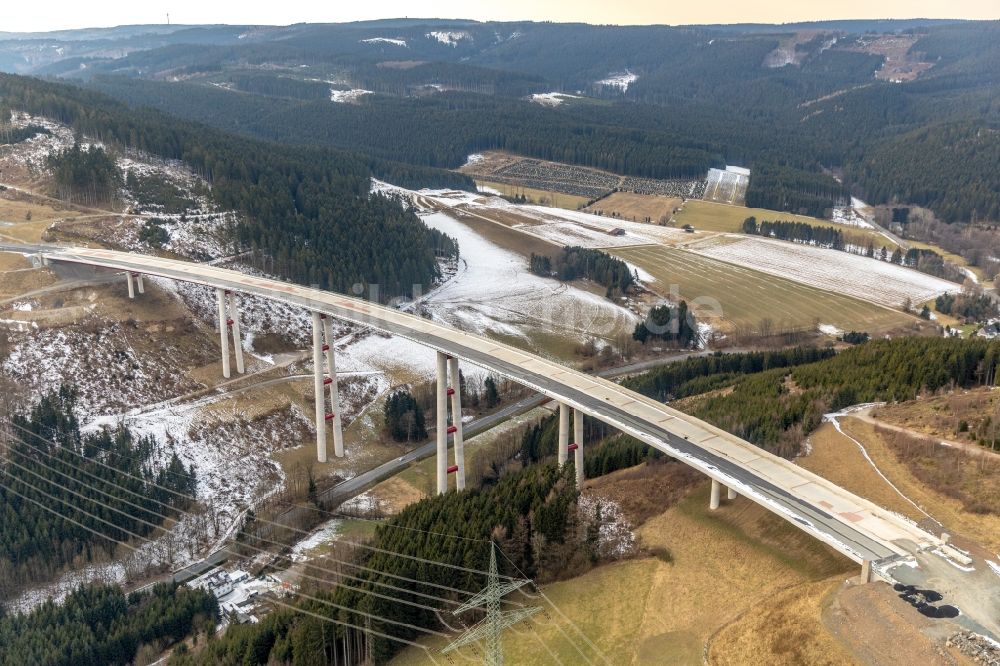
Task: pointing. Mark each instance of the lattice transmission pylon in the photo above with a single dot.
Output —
(492, 626)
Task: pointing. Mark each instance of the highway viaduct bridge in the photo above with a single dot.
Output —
(859, 529)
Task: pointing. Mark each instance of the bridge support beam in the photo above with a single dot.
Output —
(223, 330)
(140, 285)
(730, 493)
(318, 393)
(442, 423)
(456, 421)
(563, 433)
(233, 316)
(578, 443)
(331, 364)
(131, 287)
(713, 503)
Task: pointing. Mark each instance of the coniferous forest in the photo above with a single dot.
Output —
(99, 625)
(308, 211)
(102, 482)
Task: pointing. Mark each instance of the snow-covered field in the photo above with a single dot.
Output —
(570, 227)
(862, 277)
(557, 225)
(493, 293)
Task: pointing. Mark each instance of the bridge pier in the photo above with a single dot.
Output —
(578, 446)
(713, 503)
(866, 571)
(234, 317)
(318, 392)
(140, 285)
(131, 287)
(456, 421)
(441, 430)
(331, 364)
(730, 493)
(223, 329)
(563, 433)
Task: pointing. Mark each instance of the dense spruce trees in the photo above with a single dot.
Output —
(668, 323)
(87, 175)
(404, 418)
(306, 213)
(574, 263)
(51, 469)
(99, 625)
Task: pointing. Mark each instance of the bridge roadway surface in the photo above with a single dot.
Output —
(850, 524)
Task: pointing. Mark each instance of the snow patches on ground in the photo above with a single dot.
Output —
(615, 537)
(449, 38)
(552, 98)
(348, 96)
(101, 362)
(379, 41)
(621, 80)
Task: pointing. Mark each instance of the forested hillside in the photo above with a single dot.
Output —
(99, 624)
(308, 210)
(928, 141)
(532, 514)
(68, 498)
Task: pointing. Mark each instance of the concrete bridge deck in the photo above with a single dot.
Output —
(850, 524)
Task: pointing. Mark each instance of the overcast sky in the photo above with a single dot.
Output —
(62, 14)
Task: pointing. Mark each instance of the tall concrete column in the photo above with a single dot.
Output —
(234, 315)
(730, 493)
(318, 388)
(223, 331)
(578, 443)
(338, 434)
(563, 433)
(456, 421)
(713, 503)
(442, 423)
(131, 287)
(139, 283)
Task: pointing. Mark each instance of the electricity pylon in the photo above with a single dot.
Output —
(496, 620)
